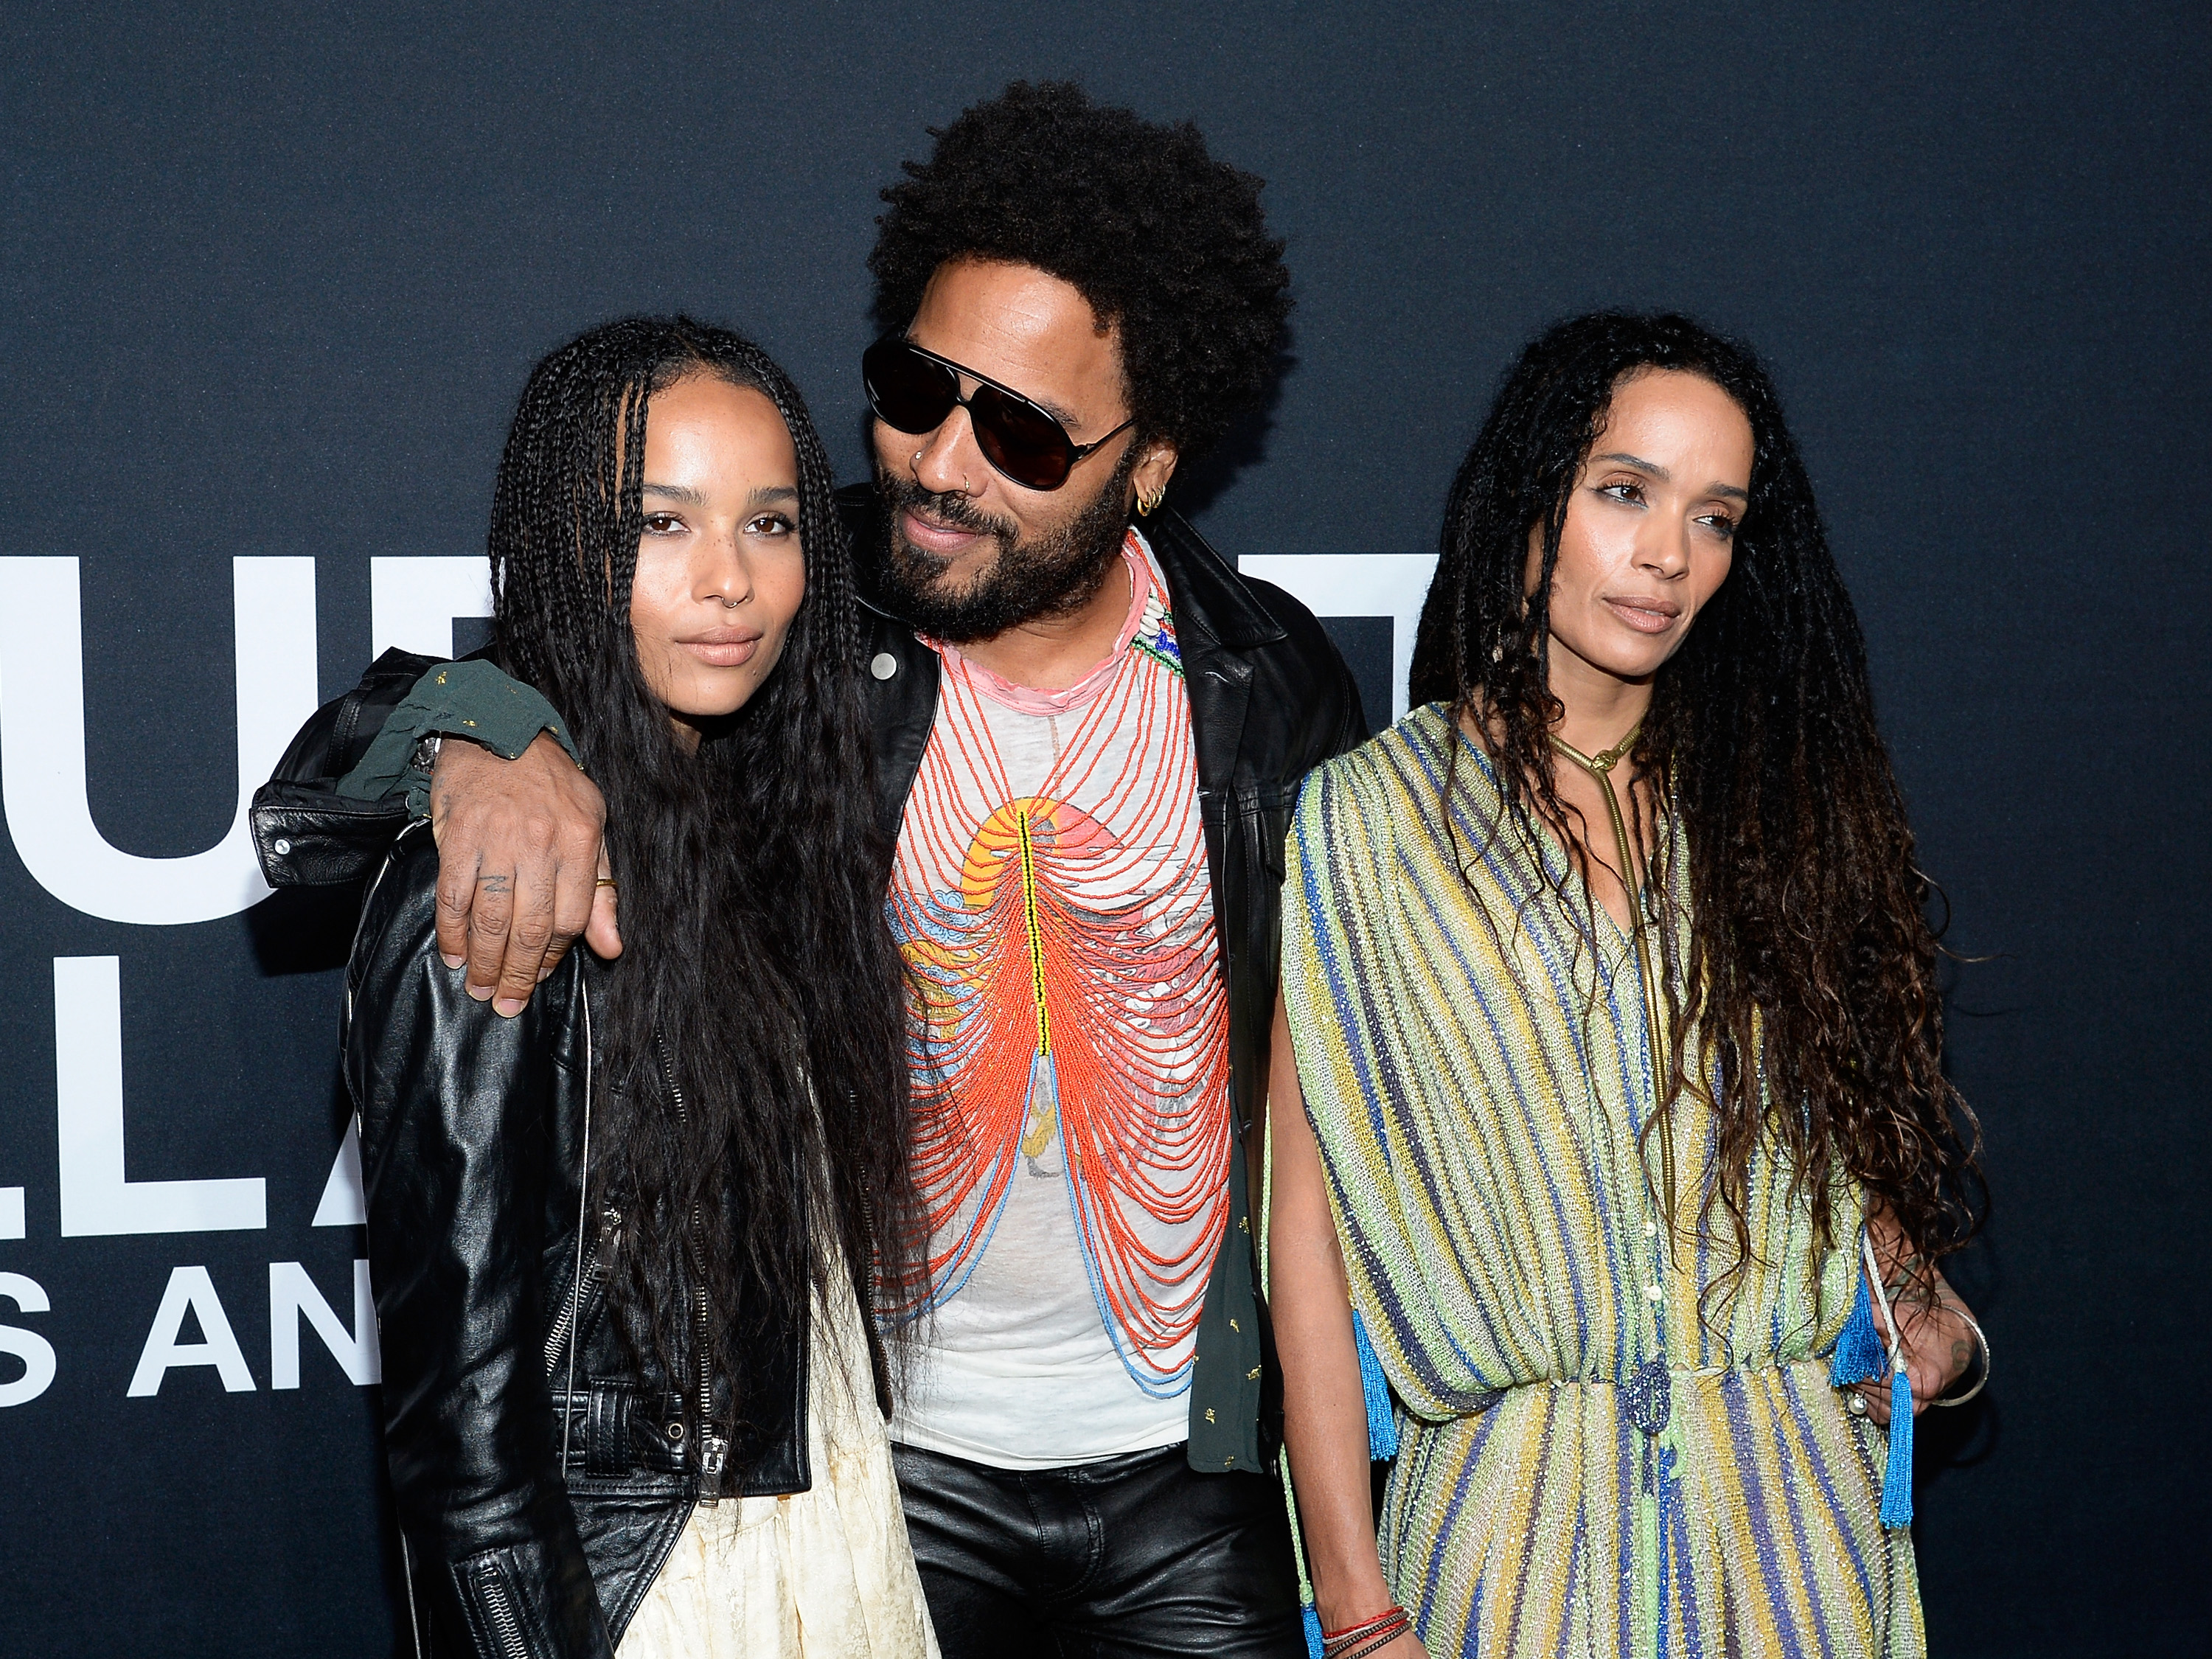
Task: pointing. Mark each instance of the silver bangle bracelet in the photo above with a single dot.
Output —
(1981, 1382)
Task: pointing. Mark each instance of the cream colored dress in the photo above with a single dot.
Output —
(826, 1573)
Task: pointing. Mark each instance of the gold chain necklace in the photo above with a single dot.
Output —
(1600, 766)
(1647, 1395)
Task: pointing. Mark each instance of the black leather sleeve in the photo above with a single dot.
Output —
(457, 1148)
(1351, 714)
(304, 833)
(1321, 697)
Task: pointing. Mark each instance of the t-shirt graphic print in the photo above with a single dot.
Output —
(1070, 1054)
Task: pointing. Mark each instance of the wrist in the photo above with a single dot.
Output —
(1368, 1636)
(1353, 1606)
(437, 748)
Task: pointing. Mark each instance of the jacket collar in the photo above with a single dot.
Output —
(1201, 588)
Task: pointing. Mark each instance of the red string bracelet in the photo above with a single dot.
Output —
(1390, 1615)
(1355, 1641)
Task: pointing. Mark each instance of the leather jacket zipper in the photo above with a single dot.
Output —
(713, 1447)
(865, 1282)
(864, 1285)
(500, 1613)
(573, 1303)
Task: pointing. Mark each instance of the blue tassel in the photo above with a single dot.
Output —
(1859, 1358)
(1382, 1420)
(1311, 1616)
(1897, 1474)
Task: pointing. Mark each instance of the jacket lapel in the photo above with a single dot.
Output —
(1216, 621)
(898, 672)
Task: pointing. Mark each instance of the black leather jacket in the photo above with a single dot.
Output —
(540, 1471)
(1270, 699)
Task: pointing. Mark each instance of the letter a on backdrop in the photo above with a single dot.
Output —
(190, 1289)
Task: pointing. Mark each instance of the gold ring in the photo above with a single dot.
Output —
(605, 881)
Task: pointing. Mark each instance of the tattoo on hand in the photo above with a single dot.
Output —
(493, 883)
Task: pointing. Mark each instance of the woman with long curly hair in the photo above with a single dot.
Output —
(1609, 1120)
(623, 1242)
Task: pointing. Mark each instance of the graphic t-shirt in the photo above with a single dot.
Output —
(1071, 1059)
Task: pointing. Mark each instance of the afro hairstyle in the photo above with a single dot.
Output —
(1161, 239)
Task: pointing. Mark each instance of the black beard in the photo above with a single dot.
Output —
(1057, 573)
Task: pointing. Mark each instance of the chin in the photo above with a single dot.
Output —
(943, 578)
(1640, 656)
(718, 704)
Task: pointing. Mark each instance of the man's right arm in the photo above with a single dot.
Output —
(517, 822)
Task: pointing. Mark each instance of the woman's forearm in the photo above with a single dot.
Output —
(1324, 1407)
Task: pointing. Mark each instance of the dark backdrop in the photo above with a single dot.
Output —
(269, 286)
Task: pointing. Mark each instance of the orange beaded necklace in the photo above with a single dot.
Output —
(1069, 965)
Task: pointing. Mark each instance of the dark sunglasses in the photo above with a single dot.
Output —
(914, 390)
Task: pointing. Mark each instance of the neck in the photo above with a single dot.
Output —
(1051, 653)
(1598, 709)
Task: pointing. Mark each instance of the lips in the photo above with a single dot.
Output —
(1644, 615)
(731, 646)
(932, 537)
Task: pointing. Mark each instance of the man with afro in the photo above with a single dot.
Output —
(1104, 724)
(1090, 731)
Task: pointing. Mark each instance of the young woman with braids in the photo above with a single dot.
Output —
(1607, 1064)
(622, 1242)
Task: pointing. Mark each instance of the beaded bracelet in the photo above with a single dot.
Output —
(1390, 1615)
(1357, 1641)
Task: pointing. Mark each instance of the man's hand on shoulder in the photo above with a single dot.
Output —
(520, 857)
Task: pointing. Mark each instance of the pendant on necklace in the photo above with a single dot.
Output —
(1648, 1397)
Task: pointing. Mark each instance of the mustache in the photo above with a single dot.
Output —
(946, 506)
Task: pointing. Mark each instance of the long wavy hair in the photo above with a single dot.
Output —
(1811, 966)
(753, 1038)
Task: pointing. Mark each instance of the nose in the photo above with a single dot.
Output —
(948, 462)
(726, 575)
(1663, 548)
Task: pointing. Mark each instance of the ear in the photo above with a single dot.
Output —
(1151, 476)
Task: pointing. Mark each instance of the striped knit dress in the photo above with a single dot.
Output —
(1586, 1465)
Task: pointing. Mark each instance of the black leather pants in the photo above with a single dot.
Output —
(1137, 1555)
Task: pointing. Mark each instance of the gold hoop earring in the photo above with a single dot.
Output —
(1148, 505)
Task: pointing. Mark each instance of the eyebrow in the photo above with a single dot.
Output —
(764, 496)
(1067, 417)
(1664, 475)
(1058, 412)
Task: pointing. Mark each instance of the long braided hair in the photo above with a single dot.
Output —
(758, 976)
(1811, 965)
